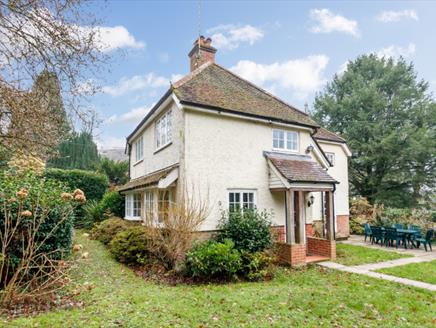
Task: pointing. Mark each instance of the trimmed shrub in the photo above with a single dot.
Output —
(132, 246)
(248, 230)
(93, 184)
(213, 259)
(107, 230)
(112, 202)
(257, 266)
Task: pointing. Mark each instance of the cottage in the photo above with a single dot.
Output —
(243, 148)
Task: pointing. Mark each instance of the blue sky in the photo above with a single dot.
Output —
(289, 48)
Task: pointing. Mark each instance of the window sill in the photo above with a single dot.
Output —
(138, 162)
(163, 147)
(133, 218)
(286, 151)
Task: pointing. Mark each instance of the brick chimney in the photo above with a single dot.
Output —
(202, 52)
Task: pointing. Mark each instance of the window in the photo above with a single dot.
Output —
(331, 158)
(163, 130)
(163, 205)
(133, 206)
(240, 199)
(139, 149)
(285, 140)
(149, 205)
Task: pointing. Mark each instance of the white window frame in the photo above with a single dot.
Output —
(149, 204)
(139, 149)
(163, 130)
(285, 140)
(241, 193)
(331, 157)
(130, 206)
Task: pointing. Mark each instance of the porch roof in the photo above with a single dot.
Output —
(151, 179)
(299, 168)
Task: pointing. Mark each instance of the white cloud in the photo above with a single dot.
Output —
(397, 51)
(139, 82)
(134, 116)
(328, 22)
(342, 68)
(117, 37)
(231, 36)
(389, 16)
(301, 76)
(108, 142)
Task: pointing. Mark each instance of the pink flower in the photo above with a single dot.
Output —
(26, 213)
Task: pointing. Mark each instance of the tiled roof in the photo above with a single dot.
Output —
(147, 180)
(324, 134)
(213, 86)
(299, 168)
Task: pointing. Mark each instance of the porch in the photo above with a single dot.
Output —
(305, 184)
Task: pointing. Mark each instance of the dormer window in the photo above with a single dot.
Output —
(163, 130)
(285, 140)
(139, 149)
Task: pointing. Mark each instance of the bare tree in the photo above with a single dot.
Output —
(50, 54)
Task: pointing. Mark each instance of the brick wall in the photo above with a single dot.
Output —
(278, 234)
(343, 226)
(309, 230)
(323, 247)
(292, 254)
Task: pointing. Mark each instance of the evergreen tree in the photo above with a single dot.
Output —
(79, 151)
(388, 118)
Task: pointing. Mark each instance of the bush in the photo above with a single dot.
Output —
(36, 218)
(93, 184)
(248, 230)
(107, 230)
(112, 202)
(257, 266)
(213, 259)
(132, 246)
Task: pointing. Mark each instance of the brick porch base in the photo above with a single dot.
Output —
(323, 247)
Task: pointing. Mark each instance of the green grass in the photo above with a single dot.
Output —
(424, 271)
(356, 255)
(312, 297)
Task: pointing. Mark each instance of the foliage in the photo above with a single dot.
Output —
(21, 163)
(92, 214)
(117, 171)
(112, 202)
(36, 233)
(425, 271)
(93, 184)
(294, 298)
(50, 52)
(420, 216)
(132, 246)
(213, 259)
(357, 255)
(249, 230)
(361, 212)
(78, 151)
(172, 235)
(257, 266)
(387, 117)
(107, 230)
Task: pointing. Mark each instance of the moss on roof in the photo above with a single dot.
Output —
(214, 86)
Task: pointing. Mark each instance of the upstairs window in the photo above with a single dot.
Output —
(163, 130)
(240, 199)
(139, 149)
(331, 158)
(285, 140)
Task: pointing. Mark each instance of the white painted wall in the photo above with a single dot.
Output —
(171, 154)
(223, 153)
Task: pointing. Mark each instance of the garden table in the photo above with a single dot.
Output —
(409, 233)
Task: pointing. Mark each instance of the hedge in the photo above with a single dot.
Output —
(93, 184)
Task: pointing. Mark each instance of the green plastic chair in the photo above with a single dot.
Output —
(398, 226)
(368, 232)
(426, 241)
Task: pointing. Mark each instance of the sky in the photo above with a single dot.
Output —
(291, 49)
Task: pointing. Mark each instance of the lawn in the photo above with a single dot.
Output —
(311, 297)
(425, 271)
(356, 255)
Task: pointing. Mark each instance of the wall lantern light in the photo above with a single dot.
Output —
(311, 200)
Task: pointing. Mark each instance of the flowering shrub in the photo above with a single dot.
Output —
(36, 221)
